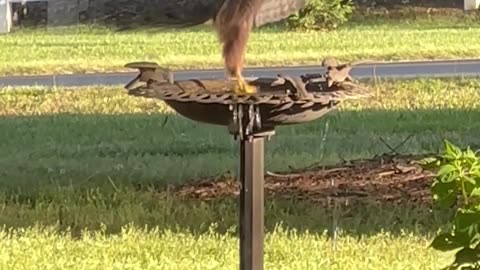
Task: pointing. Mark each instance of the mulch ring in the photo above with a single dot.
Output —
(384, 178)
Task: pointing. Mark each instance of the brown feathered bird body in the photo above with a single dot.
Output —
(232, 19)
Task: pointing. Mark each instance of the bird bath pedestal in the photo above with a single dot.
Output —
(250, 119)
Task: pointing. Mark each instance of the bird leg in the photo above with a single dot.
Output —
(242, 87)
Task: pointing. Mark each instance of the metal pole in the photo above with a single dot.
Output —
(251, 203)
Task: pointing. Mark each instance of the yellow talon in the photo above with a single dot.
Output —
(242, 87)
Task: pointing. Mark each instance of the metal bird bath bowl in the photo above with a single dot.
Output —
(279, 101)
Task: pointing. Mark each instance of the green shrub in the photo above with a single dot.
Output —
(322, 15)
(457, 185)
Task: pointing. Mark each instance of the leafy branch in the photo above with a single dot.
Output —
(457, 184)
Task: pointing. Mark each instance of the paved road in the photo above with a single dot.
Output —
(446, 68)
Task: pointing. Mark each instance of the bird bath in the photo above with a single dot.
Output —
(279, 101)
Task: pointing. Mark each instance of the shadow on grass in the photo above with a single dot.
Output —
(82, 171)
(91, 208)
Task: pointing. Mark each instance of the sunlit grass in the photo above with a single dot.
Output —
(88, 49)
(139, 249)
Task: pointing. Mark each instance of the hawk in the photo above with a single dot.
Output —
(233, 21)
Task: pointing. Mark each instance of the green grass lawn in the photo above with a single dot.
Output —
(151, 250)
(87, 49)
(95, 158)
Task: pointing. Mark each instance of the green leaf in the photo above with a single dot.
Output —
(446, 169)
(446, 173)
(448, 178)
(444, 194)
(469, 153)
(467, 226)
(465, 219)
(446, 242)
(452, 151)
(475, 170)
(466, 256)
(468, 187)
(475, 192)
(472, 190)
(470, 180)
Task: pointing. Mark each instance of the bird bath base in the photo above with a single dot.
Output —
(250, 119)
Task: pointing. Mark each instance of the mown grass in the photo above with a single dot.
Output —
(88, 49)
(137, 249)
(80, 158)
